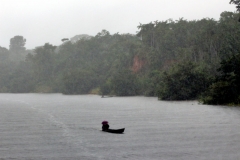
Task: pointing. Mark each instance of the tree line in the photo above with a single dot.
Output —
(173, 60)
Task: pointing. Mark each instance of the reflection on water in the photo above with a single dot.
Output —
(55, 126)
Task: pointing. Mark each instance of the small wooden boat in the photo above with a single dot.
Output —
(119, 131)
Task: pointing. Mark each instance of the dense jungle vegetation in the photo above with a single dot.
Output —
(174, 60)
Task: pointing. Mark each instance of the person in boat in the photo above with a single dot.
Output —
(105, 125)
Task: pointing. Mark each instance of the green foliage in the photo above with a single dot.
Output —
(125, 83)
(105, 89)
(17, 49)
(126, 64)
(43, 63)
(21, 80)
(78, 82)
(17, 44)
(15, 78)
(4, 54)
(182, 82)
(151, 83)
(229, 31)
(205, 40)
(226, 88)
(221, 92)
(237, 3)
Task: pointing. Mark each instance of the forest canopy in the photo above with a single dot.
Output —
(173, 60)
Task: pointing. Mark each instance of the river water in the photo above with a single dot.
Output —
(61, 127)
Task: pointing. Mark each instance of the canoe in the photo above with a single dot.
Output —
(115, 130)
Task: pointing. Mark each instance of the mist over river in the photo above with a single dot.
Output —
(61, 127)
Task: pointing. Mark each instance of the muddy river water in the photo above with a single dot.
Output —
(61, 127)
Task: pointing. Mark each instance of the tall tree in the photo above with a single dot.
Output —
(17, 44)
(125, 83)
(17, 49)
(182, 82)
(236, 2)
(226, 88)
(4, 53)
(43, 66)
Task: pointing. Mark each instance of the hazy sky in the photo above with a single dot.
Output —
(48, 21)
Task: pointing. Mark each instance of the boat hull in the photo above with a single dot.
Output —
(119, 131)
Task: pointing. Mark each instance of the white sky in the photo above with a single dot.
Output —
(48, 21)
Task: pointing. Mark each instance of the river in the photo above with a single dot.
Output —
(62, 127)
